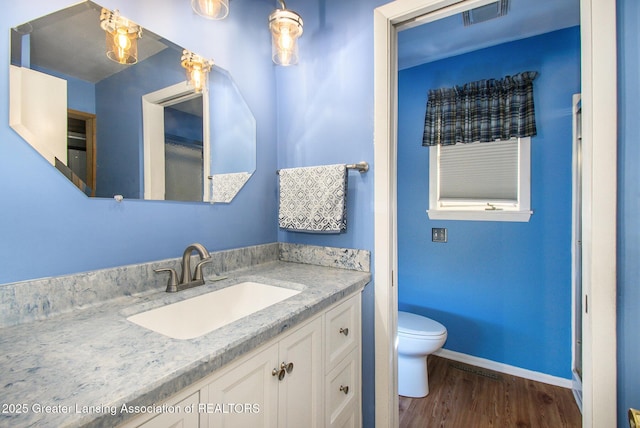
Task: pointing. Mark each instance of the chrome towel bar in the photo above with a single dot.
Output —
(360, 166)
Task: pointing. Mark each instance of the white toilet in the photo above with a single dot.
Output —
(418, 337)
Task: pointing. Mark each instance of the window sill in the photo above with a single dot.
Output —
(486, 215)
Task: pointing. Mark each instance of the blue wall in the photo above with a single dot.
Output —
(502, 289)
(48, 227)
(120, 163)
(334, 84)
(628, 208)
(325, 116)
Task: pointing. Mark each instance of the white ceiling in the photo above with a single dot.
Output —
(449, 37)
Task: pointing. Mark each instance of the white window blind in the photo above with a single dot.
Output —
(479, 172)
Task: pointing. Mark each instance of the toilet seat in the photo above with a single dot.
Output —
(416, 325)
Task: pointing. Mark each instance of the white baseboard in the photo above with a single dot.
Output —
(504, 368)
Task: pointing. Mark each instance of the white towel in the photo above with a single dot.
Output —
(313, 199)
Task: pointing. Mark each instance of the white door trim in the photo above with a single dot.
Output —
(577, 296)
(153, 105)
(599, 155)
(598, 40)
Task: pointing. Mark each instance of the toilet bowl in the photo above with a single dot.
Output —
(418, 337)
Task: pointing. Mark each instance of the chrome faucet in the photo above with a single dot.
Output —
(186, 279)
(205, 257)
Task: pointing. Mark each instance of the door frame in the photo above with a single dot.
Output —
(153, 105)
(576, 252)
(599, 99)
(90, 134)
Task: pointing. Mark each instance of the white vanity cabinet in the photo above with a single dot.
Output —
(308, 377)
(279, 387)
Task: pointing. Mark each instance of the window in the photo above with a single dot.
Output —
(480, 181)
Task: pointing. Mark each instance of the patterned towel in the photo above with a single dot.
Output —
(313, 199)
(224, 187)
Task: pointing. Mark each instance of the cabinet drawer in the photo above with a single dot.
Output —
(342, 389)
(342, 330)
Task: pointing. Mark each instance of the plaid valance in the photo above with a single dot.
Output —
(486, 110)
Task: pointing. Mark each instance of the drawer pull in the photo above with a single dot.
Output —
(344, 331)
(344, 389)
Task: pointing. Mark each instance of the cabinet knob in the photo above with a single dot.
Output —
(344, 331)
(287, 367)
(280, 373)
(284, 369)
(344, 389)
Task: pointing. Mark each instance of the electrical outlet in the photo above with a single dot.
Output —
(439, 234)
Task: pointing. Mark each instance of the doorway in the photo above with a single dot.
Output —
(81, 148)
(599, 213)
(179, 97)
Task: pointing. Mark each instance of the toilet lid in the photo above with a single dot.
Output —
(409, 323)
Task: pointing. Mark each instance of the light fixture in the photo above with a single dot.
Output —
(197, 69)
(122, 37)
(211, 9)
(286, 27)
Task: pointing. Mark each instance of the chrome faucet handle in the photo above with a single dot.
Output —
(197, 275)
(172, 283)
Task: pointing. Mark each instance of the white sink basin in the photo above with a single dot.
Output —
(202, 314)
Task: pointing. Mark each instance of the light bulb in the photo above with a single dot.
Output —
(196, 78)
(122, 43)
(211, 9)
(285, 40)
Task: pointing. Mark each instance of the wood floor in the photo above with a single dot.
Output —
(465, 396)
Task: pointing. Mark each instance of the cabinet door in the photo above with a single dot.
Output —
(300, 394)
(245, 396)
(179, 419)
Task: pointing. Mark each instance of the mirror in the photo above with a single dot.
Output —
(133, 130)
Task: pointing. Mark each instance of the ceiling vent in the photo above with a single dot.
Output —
(485, 13)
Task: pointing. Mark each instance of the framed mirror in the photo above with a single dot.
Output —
(136, 130)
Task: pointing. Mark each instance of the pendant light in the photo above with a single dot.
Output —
(286, 27)
(121, 36)
(197, 69)
(211, 9)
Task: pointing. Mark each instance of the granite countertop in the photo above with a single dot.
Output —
(80, 368)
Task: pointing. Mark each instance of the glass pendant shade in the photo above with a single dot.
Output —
(211, 9)
(197, 69)
(121, 37)
(286, 27)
